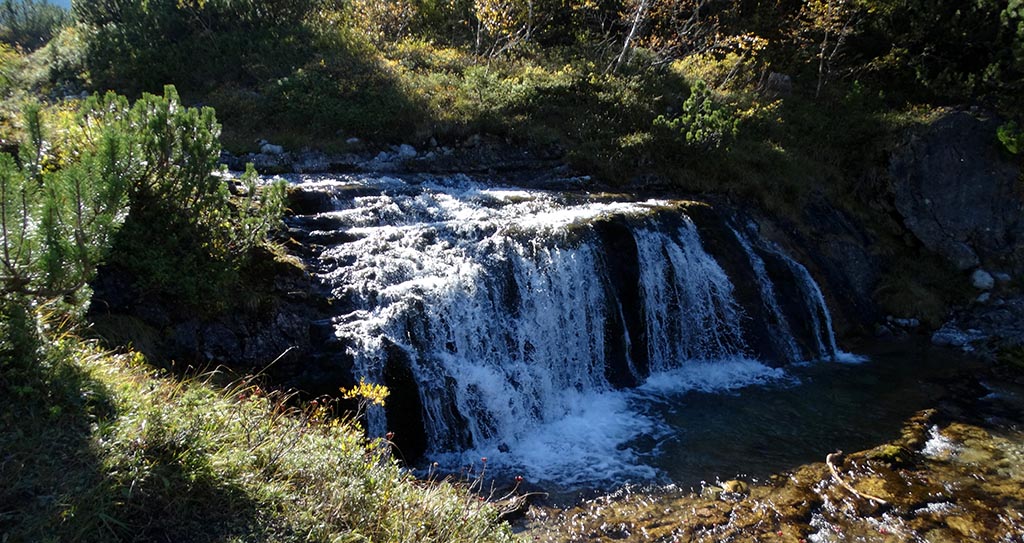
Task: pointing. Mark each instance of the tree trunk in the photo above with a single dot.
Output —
(638, 19)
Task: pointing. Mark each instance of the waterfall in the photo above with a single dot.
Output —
(515, 309)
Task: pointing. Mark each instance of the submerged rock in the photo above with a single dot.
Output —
(736, 487)
(972, 495)
(950, 336)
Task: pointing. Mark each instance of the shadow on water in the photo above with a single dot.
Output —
(950, 471)
(824, 406)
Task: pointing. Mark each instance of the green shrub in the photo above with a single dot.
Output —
(194, 44)
(57, 223)
(1011, 136)
(701, 125)
(133, 185)
(184, 234)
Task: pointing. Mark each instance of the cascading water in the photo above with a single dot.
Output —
(525, 317)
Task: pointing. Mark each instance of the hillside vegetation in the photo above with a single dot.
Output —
(112, 122)
(770, 101)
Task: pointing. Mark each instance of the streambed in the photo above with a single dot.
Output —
(952, 473)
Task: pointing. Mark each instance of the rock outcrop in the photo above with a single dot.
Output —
(281, 328)
(476, 155)
(958, 192)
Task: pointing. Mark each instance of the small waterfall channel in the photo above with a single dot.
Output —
(529, 326)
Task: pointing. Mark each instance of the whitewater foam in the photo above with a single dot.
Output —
(502, 304)
(711, 376)
(593, 442)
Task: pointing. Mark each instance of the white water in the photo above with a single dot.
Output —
(778, 324)
(500, 300)
(688, 304)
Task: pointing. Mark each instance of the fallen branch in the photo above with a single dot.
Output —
(844, 484)
(515, 507)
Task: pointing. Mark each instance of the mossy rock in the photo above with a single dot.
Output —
(891, 454)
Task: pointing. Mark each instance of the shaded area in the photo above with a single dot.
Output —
(67, 478)
(767, 429)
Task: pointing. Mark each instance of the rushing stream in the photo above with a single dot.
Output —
(549, 332)
(594, 342)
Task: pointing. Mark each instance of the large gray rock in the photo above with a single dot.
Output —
(957, 191)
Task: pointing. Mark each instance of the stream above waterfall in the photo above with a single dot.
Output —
(590, 341)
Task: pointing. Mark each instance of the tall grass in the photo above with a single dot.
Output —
(97, 446)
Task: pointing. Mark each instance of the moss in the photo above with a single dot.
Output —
(891, 454)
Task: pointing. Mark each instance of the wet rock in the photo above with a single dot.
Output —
(711, 492)
(903, 323)
(968, 527)
(1002, 277)
(707, 516)
(834, 248)
(891, 454)
(778, 85)
(957, 192)
(406, 151)
(311, 162)
(982, 280)
(950, 336)
(999, 322)
(735, 487)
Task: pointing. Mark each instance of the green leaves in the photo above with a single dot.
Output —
(702, 124)
(1011, 136)
(56, 222)
(132, 184)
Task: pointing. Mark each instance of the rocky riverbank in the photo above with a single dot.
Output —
(538, 167)
(954, 474)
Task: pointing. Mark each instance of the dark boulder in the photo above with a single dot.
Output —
(958, 191)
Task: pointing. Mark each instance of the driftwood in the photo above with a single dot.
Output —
(847, 486)
(516, 506)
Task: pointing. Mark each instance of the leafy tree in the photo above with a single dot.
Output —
(504, 25)
(826, 27)
(196, 44)
(944, 51)
(384, 21)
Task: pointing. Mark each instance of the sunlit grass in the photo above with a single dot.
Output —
(102, 447)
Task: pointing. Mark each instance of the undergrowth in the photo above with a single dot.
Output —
(96, 446)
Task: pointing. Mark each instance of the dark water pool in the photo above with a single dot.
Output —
(760, 430)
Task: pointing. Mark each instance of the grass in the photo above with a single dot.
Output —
(96, 446)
